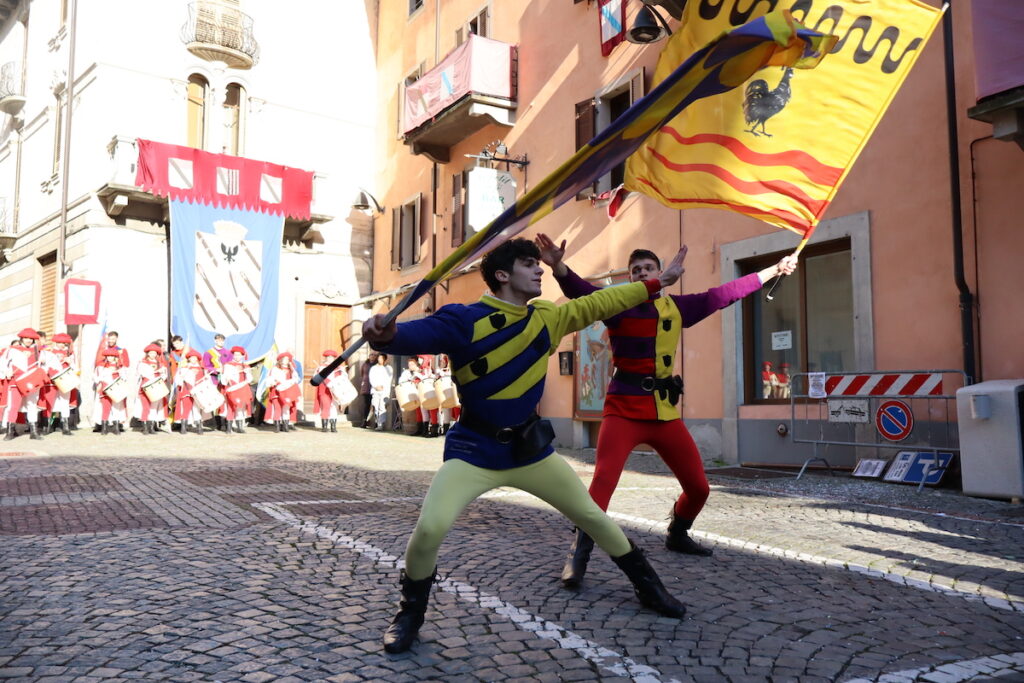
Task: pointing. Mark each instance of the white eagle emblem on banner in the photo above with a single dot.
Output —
(229, 277)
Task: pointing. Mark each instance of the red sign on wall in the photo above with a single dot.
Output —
(81, 302)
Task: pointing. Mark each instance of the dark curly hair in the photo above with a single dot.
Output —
(503, 257)
(639, 254)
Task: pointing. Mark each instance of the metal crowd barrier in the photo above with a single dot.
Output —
(870, 410)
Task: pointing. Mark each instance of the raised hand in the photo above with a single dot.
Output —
(551, 254)
(674, 270)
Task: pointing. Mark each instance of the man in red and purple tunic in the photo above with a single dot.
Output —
(641, 403)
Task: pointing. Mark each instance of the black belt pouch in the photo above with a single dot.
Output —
(531, 438)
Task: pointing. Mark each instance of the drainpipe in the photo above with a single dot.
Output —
(966, 297)
(62, 268)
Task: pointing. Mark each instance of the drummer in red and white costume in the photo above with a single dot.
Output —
(284, 394)
(189, 375)
(25, 377)
(151, 368)
(235, 378)
(57, 360)
(106, 410)
(447, 415)
(324, 401)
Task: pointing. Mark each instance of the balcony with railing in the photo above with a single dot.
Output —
(12, 97)
(999, 67)
(474, 86)
(219, 32)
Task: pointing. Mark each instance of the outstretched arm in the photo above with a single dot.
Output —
(439, 333)
(696, 307)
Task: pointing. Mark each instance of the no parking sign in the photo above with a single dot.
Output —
(894, 420)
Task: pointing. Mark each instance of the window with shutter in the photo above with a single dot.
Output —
(458, 209)
(586, 115)
(419, 230)
(396, 238)
(48, 293)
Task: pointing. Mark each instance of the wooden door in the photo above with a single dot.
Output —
(327, 327)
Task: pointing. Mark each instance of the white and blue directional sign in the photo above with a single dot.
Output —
(908, 467)
(894, 420)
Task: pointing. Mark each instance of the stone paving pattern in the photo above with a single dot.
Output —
(131, 557)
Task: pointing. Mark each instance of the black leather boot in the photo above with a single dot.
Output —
(65, 428)
(323, 425)
(240, 426)
(679, 541)
(648, 587)
(576, 561)
(277, 426)
(33, 432)
(11, 432)
(406, 624)
(334, 426)
(44, 426)
(421, 429)
(105, 429)
(199, 427)
(432, 431)
(227, 426)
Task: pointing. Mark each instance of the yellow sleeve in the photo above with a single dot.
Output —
(604, 303)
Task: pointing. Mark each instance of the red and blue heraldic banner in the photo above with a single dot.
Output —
(227, 220)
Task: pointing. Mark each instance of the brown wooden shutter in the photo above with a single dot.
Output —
(636, 87)
(586, 125)
(420, 229)
(458, 218)
(48, 293)
(396, 238)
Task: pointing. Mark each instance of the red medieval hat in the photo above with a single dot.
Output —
(238, 349)
(193, 354)
(784, 365)
(111, 353)
(62, 338)
(152, 347)
(282, 356)
(767, 362)
(28, 333)
(331, 352)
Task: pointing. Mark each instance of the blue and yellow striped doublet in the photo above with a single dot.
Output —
(499, 358)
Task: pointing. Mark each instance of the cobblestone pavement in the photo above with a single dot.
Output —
(273, 557)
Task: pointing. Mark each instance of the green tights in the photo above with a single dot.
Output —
(458, 483)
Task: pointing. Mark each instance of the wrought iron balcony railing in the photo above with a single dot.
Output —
(11, 96)
(219, 32)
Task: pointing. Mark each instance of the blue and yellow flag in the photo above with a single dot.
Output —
(778, 148)
(723, 63)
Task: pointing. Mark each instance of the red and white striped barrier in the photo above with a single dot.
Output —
(910, 384)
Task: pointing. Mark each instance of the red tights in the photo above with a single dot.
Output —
(672, 441)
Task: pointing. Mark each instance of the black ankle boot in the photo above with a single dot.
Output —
(227, 426)
(11, 432)
(65, 429)
(199, 427)
(406, 624)
(240, 426)
(648, 587)
(323, 425)
(44, 426)
(680, 542)
(432, 431)
(576, 561)
(277, 426)
(105, 429)
(334, 426)
(421, 429)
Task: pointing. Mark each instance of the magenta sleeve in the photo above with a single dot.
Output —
(696, 307)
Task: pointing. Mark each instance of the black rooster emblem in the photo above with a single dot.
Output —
(229, 253)
(760, 103)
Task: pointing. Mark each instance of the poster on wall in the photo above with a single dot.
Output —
(593, 353)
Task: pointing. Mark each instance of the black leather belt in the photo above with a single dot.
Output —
(645, 382)
(503, 435)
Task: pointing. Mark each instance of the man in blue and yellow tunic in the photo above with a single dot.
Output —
(499, 348)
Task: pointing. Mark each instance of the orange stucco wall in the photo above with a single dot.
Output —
(901, 179)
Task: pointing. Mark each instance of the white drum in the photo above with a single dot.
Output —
(117, 390)
(155, 389)
(342, 391)
(429, 398)
(408, 398)
(207, 397)
(445, 388)
(66, 380)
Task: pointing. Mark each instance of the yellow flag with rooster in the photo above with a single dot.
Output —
(778, 147)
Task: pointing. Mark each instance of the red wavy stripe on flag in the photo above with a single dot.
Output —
(788, 219)
(749, 187)
(814, 170)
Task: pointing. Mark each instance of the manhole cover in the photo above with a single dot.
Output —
(749, 473)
